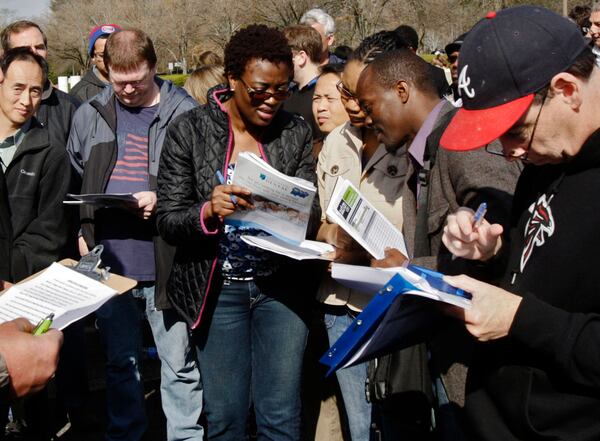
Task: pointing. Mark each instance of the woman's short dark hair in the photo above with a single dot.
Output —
(256, 42)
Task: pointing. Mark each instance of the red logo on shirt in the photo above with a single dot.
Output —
(539, 227)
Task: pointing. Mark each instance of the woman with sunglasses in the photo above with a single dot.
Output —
(353, 151)
(245, 304)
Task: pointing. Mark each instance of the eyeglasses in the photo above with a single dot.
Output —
(264, 95)
(344, 92)
(496, 149)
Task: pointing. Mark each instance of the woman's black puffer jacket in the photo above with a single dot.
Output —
(198, 144)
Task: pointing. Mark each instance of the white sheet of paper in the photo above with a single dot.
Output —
(371, 280)
(59, 290)
(307, 249)
(362, 221)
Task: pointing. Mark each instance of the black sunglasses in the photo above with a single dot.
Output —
(263, 95)
(344, 92)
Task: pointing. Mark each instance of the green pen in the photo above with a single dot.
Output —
(44, 325)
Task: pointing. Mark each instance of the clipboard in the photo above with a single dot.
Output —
(69, 289)
(119, 283)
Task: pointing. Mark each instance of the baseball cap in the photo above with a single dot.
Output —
(507, 57)
(455, 45)
(99, 31)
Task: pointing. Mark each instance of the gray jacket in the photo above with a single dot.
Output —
(93, 143)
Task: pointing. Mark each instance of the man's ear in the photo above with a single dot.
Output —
(330, 40)
(303, 59)
(568, 88)
(1, 76)
(402, 89)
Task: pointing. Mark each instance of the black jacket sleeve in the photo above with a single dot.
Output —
(179, 208)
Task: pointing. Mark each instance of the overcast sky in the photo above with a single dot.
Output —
(25, 8)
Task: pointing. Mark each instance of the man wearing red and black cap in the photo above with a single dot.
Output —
(527, 76)
(96, 78)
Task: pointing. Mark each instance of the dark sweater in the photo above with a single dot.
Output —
(543, 380)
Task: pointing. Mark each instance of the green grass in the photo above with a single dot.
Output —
(177, 79)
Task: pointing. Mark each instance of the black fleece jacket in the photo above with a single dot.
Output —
(196, 146)
(543, 380)
(37, 180)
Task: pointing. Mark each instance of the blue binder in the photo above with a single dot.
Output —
(391, 321)
(365, 324)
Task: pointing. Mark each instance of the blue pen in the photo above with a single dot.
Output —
(479, 214)
(222, 182)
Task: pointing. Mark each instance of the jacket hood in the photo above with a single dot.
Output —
(170, 98)
(91, 78)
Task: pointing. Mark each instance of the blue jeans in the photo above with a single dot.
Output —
(180, 384)
(252, 352)
(351, 380)
(120, 322)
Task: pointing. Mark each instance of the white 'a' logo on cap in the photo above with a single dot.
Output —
(463, 83)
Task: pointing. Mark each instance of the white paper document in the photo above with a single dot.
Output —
(282, 203)
(362, 221)
(115, 200)
(307, 249)
(59, 290)
(371, 280)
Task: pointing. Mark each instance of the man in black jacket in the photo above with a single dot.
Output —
(57, 108)
(528, 76)
(36, 172)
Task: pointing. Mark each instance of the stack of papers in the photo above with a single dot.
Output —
(426, 283)
(307, 249)
(282, 203)
(67, 294)
(112, 200)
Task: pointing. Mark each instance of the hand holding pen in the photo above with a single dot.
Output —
(225, 199)
(31, 360)
(467, 234)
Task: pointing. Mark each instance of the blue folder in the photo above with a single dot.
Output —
(392, 321)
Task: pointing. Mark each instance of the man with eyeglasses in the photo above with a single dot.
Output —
(96, 78)
(530, 78)
(115, 144)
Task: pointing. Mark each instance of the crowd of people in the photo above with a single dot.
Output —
(513, 125)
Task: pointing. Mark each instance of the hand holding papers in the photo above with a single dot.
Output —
(367, 226)
(282, 203)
